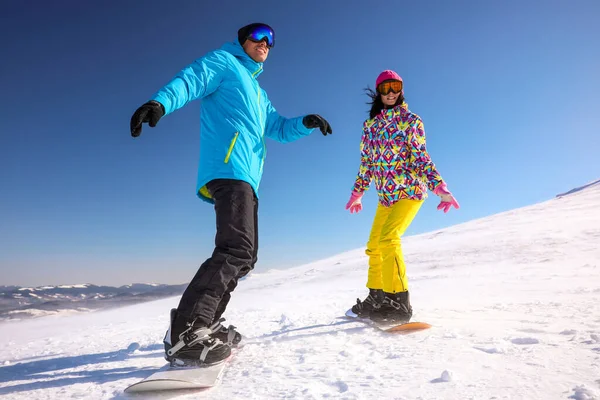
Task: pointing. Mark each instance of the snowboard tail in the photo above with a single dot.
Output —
(175, 378)
(402, 328)
(408, 327)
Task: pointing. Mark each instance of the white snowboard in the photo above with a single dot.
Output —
(180, 378)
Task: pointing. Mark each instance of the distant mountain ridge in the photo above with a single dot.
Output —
(18, 302)
(579, 189)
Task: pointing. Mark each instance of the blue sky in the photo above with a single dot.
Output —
(508, 92)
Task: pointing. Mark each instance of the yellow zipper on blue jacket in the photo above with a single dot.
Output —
(262, 134)
(231, 147)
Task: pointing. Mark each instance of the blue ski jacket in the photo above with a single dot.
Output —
(236, 115)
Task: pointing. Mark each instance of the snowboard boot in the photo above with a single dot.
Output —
(373, 302)
(394, 308)
(228, 335)
(188, 343)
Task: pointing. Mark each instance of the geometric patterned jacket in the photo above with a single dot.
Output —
(394, 155)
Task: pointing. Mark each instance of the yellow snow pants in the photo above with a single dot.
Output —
(387, 270)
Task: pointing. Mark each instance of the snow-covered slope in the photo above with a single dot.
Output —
(514, 300)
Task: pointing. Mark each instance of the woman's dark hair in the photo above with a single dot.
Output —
(376, 103)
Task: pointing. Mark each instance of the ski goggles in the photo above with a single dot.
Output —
(386, 87)
(262, 32)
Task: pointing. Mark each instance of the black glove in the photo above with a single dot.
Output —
(316, 121)
(150, 112)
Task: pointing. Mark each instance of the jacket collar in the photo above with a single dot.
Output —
(236, 49)
(400, 110)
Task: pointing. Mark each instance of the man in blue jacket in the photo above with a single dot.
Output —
(236, 117)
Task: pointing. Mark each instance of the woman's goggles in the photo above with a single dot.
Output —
(385, 88)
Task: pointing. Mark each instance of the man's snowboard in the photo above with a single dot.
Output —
(392, 327)
(168, 378)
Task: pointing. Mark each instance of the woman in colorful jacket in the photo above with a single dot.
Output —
(393, 154)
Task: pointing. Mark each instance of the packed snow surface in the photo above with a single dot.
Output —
(514, 301)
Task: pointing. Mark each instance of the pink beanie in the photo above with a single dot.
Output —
(387, 75)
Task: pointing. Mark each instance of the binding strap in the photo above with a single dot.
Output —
(190, 337)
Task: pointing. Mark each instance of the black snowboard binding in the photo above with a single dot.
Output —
(395, 308)
(187, 344)
(228, 335)
(371, 304)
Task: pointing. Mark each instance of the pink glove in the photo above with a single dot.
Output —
(447, 199)
(355, 202)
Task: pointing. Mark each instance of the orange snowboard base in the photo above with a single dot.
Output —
(390, 327)
(409, 327)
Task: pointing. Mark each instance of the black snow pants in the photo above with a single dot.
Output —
(235, 254)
